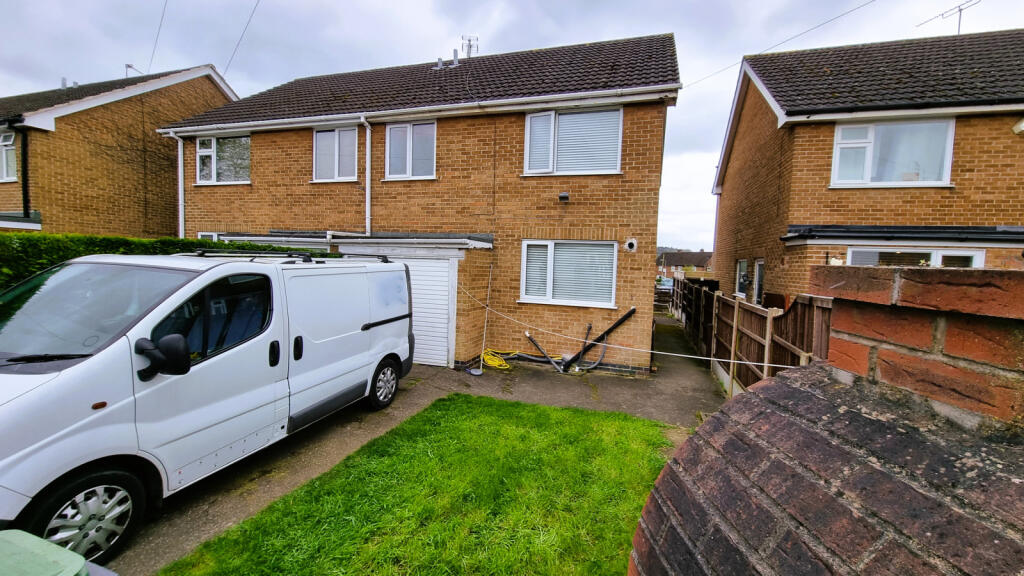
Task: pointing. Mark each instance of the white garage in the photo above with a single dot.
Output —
(434, 281)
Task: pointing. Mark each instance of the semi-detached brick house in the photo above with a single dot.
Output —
(87, 158)
(896, 153)
(544, 164)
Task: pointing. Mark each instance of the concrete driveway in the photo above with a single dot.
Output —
(673, 395)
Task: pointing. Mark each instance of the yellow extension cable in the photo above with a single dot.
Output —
(494, 358)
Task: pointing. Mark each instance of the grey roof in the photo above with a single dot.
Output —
(615, 64)
(14, 106)
(971, 69)
(684, 258)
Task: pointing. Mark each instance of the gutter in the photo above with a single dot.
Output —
(641, 93)
(181, 183)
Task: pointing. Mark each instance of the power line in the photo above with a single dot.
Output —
(793, 37)
(239, 43)
(157, 39)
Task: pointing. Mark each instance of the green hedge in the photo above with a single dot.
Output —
(24, 254)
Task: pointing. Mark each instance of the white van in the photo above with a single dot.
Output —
(126, 378)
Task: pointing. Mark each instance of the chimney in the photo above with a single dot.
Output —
(63, 82)
(455, 57)
(74, 84)
(440, 64)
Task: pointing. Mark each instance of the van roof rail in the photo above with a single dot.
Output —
(382, 257)
(203, 252)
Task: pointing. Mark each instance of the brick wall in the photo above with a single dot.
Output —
(755, 196)
(776, 177)
(956, 336)
(479, 188)
(105, 170)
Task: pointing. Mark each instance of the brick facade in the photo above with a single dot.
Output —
(781, 176)
(105, 170)
(479, 188)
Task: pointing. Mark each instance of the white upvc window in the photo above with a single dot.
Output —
(8, 162)
(569, 272)
(914, 256)
(588, 142)
(742, 279)
(893, 154)
(214, 236)
(222, 160)
(334, 154)
(410, 151)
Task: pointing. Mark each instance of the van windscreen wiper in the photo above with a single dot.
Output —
(30, 358)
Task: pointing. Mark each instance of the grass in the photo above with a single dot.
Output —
(471, 485)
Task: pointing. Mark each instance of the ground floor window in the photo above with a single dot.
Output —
(575, 273)
(742, 279)
(913, 256)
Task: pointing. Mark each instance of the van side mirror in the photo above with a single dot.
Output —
(169, 356)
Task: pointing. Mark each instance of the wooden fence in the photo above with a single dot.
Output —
(749, 342)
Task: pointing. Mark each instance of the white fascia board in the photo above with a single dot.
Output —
(957, 244)
(46, 118)
(548, 101)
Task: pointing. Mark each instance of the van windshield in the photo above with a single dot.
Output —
(76, 309)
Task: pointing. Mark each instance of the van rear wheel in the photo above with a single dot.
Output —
(385, 384)
(93, 515)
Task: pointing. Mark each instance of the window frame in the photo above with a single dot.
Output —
(549, 298)
(553, 156)
(746, 270)
(205, 292)
(212, 153)
(4, 148)
(337, 155)
(868, 144)
(935, 254)
(212, 236)
(407, 175)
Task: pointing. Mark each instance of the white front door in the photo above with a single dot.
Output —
(224, 408)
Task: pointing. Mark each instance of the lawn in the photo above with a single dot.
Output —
(470, 485)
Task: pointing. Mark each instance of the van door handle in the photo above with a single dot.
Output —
(275, 353)
(297, 348)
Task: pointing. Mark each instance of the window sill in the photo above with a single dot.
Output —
(334, 180)
(240, 183)
(404, 179)
(3, 180)
(598, 173)
(841, 186)
(604, 305)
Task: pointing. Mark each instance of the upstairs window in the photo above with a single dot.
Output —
(8, 164)
(573, 142)
(572, 273)
(410, 151)
(222, 160)
(334, 154)
(893, 154)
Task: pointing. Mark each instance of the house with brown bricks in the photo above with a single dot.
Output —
(682, 261)
(87, 159)
(526, 179)
(906, 153)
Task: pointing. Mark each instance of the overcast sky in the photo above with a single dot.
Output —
(91, 40)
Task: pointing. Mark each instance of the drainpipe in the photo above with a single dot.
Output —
(181, 183)
(362, 120)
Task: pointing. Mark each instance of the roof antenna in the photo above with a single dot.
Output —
(471, 45)
(958, 10)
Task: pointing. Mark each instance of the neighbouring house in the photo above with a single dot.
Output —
(893, 154)
(683, 261)
(87, 159)
(528, 179)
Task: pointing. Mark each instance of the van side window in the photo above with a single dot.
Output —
(221, 316)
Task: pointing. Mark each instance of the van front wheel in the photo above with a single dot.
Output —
(385, 384)
(93, 515)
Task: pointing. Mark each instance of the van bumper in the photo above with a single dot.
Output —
(407, 363)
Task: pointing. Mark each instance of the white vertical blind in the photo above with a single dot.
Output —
(397, 153)
(584, 272)
(324, 155)
(540, 142)
(347, 153)
(536, 270)
(423, 150)
(588, 141)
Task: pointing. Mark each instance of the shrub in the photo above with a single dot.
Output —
(24, 254)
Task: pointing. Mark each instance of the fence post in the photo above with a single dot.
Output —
(714, 325)
(732, 346)
(700, 323)
(768, 329)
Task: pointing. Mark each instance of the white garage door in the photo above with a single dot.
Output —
(431, 308)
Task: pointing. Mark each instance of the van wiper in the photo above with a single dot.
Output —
(31, 358)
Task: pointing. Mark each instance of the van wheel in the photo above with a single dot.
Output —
(94, 515)
(385, 384)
